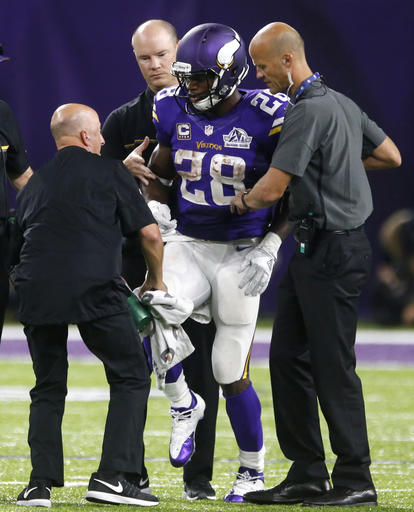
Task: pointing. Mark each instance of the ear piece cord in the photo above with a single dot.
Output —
(289, 75)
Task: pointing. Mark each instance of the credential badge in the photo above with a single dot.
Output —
(183, 131)
(237, 138)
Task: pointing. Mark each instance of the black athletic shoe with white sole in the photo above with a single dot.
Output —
(144, 485)
(36, 494)
(199, 488)
(118, 491)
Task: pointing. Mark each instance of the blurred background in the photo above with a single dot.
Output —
(80, 51)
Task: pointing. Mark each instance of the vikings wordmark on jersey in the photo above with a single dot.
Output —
(216, 158)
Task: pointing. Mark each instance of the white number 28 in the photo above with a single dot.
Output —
(236, 164)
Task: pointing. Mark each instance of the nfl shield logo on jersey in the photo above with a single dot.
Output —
(237, 138)
(208, 129)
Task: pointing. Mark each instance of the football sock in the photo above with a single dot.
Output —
(244, 412)
(176, 389)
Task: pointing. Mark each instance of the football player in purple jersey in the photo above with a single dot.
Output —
(214, 141)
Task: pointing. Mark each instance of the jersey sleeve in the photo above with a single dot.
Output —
(163, 115)
(298, 140)
(12, 143)
(133, 212)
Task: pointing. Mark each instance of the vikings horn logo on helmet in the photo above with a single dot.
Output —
(225, 56)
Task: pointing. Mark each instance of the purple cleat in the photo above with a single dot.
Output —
(184, 424)
(247, 480)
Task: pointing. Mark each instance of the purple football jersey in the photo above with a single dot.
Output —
(216, 158)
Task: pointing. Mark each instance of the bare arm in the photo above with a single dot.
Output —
(153, 251)
(384, 156)
(20, 182)
(161, 165)
(280, 224)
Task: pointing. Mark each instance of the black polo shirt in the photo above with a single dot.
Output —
(13, 159)
(126, 127)
(73, 213)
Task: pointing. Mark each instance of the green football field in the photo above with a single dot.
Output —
(389, 394)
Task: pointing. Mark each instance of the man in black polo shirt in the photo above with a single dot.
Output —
(326, 145)
(154, 44)
(72, 215)
(13, 165)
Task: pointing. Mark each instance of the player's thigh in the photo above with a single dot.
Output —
(231, 351)
(229, 303)
(182, 274)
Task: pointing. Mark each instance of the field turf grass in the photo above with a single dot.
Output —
(389, 394)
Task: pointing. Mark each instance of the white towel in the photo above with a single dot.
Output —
(162, 214)
(169, 342)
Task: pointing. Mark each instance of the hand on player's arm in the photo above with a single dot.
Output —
(265, 193)
(136, 164)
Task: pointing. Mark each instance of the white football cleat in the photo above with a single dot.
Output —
(184, 424)
(247, 480)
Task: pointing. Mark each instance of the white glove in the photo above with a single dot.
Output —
(162, 215)
(257, 265)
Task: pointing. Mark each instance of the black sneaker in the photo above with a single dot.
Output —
(117, 490)
(36, 494)
(199, 488)
(141, 481)
(144, 485)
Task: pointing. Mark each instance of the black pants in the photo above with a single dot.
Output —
(197, 369)
(115, 342)
(312, 358)
(4, 278)
(199, 376)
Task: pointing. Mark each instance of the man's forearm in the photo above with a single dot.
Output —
(153, 251)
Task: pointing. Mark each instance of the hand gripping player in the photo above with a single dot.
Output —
(217, 140)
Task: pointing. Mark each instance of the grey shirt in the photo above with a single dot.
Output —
(324, 137)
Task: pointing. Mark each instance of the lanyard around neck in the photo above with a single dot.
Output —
(305, 84)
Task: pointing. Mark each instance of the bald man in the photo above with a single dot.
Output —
(154, 44)
(72, 216)
(325, 148)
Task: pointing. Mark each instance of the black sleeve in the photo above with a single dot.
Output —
(132, 209)
(112, 133)
(12, 143)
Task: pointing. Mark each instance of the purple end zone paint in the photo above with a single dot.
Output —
(366, 353)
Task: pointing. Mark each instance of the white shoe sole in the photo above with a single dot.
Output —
(106, 497)
(188, 498)
(34, 503)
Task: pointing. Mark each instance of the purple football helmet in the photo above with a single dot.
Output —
(211, 51)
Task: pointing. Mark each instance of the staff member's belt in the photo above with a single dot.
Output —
(307, 235)
(341, 231)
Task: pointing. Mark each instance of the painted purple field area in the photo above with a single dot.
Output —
(373, 346)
